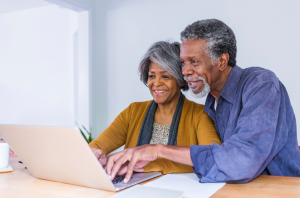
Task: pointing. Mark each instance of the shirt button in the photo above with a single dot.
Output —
(218, 115)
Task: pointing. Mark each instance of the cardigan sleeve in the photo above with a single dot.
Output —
(206, 131)
(114, 136)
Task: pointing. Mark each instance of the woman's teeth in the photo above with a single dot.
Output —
(160, 91)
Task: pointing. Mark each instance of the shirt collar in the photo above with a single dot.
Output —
(230, 89)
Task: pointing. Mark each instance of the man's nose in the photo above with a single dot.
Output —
(187, 70)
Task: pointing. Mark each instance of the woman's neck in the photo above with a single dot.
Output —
(165, 112)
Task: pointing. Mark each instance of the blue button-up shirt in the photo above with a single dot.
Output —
(257, 126)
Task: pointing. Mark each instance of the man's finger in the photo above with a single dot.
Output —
(123, 169)
(111, 161)
(119, 162)
(134, 159)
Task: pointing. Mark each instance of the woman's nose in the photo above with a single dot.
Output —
(157, 82)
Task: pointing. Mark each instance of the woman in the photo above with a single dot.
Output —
(168, 119)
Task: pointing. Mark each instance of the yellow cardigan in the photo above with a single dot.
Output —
(195, 128)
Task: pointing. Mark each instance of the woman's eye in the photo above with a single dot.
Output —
(151, 76)
(165, 76)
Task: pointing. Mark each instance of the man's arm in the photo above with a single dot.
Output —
(247, 153)
(139, 157)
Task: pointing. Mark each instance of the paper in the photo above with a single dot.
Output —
(188, 183)
(139, 191)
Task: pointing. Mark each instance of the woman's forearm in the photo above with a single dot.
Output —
(180, 154)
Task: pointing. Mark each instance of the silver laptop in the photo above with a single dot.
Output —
(61, 154)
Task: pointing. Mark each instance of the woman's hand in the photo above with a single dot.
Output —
(100, 155)
(138, 158)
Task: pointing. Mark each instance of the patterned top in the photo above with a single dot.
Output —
(160, 134)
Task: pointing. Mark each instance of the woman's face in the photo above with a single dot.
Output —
(162, 85)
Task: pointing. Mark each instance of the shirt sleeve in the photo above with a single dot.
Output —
(247, 153)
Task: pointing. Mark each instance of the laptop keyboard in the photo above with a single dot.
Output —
(118, 179)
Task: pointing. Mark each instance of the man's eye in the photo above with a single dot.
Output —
(194, 61)
(182, 63)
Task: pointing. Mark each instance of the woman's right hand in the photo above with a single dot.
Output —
(100, 155)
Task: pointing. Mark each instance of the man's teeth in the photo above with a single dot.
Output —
(192, 83)
(160, 91)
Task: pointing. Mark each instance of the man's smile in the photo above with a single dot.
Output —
(193, 84)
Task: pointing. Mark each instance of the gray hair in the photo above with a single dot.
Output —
(219, 37)
(167, 56)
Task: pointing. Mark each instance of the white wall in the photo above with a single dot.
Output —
(267, 34)
(36, 70)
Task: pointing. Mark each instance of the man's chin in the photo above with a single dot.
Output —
(200, 92)
(196, 94)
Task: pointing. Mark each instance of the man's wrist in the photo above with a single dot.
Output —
(159, 150)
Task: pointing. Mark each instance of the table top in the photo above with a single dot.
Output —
(21, 183)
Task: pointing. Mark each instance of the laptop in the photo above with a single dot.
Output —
(61, 154)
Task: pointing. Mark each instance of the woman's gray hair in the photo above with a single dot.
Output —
(219, 37)
(167, 56)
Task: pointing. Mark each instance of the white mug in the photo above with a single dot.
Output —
(4, 155)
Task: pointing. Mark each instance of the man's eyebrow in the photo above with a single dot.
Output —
(194, 56)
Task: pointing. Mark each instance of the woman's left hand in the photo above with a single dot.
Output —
(138, 158)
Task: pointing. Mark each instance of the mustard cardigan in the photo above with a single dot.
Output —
(195, 128)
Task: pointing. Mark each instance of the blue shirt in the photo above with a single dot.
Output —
(256, 124)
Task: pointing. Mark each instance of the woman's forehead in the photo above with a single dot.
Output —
(154, 67)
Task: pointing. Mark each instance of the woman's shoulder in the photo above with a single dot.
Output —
(140, 105)
(193, 106)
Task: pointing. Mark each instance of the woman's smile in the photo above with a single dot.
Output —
(159, 92)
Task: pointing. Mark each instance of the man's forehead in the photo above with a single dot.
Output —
(192, 47)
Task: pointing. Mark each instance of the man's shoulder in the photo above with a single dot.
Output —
(259, 76)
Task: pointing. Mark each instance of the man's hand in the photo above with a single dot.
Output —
(129, 160)
(100, 155)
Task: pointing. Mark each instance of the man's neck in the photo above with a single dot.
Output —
(216, 90)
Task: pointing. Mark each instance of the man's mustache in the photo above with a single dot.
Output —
(190, 78)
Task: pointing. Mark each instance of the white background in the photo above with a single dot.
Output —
(267, 34)
(44, 76)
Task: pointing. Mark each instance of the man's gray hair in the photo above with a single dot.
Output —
(167, 56)
(219, 37)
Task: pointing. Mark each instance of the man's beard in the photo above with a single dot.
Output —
(205, 90)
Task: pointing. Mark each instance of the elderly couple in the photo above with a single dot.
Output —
(246, 128)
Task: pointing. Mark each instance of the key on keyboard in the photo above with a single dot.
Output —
(118, 179)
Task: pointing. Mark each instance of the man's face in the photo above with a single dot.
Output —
(199, 70)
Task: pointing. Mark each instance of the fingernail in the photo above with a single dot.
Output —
(125, 180)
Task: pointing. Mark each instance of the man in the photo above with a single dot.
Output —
(250, 107)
